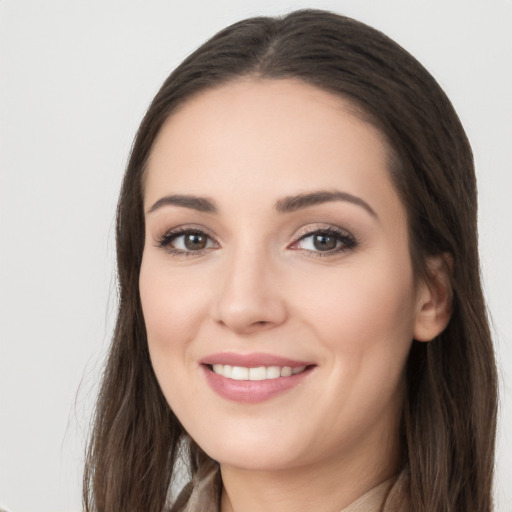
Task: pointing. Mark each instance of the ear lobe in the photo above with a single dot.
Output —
(435, 299)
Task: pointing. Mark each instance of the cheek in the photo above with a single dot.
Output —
(171, 303)
(366, 328)
(360, 301)
(365, 320)
(172, 307)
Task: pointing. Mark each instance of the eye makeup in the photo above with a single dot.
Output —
(322, 242)
(187, 241)
(313, 241)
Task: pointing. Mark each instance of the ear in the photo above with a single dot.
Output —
(435, 298)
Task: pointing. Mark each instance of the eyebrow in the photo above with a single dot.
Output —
(285, 205)
(201, 204)
(298, 202)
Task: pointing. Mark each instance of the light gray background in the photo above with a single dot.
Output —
(76, 77)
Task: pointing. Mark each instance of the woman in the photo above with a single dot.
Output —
(301, 316)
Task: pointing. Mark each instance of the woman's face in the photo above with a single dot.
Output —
(276, 281)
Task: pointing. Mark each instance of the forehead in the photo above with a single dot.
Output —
(268, 137)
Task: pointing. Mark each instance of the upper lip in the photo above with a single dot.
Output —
(252, 360)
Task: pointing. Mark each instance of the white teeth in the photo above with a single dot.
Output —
(258, 373)
(273, 372)
(240, 373)
(286, 371)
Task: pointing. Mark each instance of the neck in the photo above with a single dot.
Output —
(330, 486)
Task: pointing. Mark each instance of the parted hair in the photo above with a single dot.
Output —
(138, 449)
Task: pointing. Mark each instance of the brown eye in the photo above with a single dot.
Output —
(187, 242)
(324, 242)
(195, 241)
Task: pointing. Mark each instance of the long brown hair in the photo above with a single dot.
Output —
(449, 414)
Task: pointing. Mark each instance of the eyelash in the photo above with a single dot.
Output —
(343, 238)
(166, 240)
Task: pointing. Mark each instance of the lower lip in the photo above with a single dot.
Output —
(252, 391)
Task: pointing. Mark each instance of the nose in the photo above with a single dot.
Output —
(250, 298)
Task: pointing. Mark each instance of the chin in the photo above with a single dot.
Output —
(255, 453)
(254, 459)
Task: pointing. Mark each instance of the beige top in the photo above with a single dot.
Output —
(389, 496)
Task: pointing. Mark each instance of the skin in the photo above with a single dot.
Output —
(260, 285)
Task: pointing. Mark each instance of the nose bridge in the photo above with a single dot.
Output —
(249, 297)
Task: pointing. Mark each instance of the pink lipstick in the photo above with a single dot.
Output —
(253, 378)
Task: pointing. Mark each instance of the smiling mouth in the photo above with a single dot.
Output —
(258, 373)
(253, 378)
